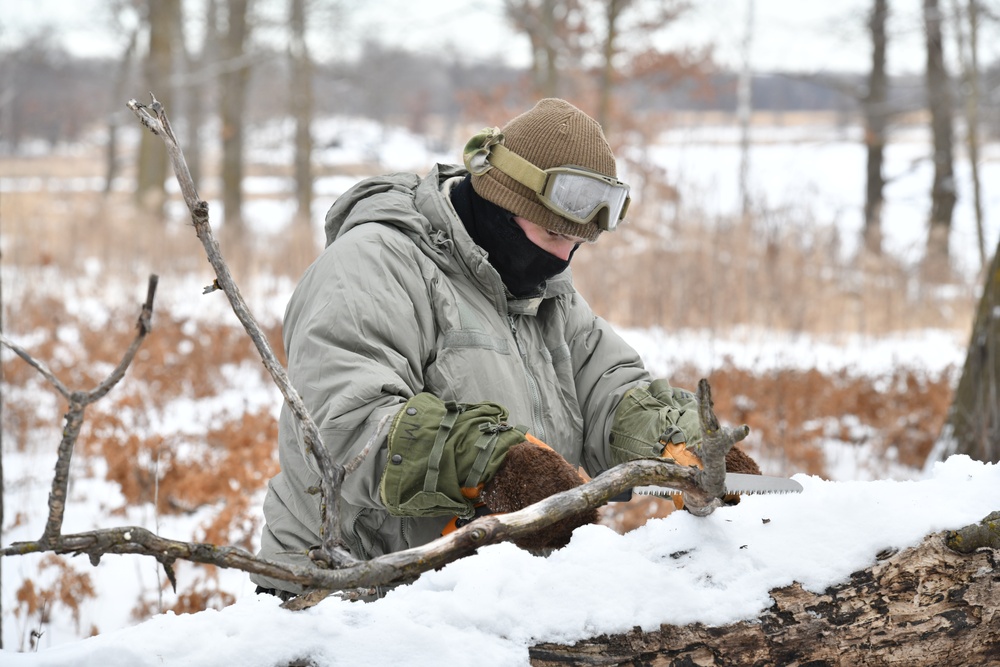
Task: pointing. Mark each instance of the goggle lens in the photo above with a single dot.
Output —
(580, 197)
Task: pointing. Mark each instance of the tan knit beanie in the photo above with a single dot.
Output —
(554, 133)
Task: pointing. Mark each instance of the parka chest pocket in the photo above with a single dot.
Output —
(473, 366)
(475, 358)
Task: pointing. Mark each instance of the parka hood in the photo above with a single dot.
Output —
(420, 208)
(400, 200)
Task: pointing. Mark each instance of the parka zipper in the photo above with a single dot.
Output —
(357, 536)
(403, 533)
(538, 429)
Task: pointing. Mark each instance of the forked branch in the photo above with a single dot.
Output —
(78, 402)
(401, 566)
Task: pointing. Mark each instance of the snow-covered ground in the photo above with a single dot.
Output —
(492, 606)
(489, 608)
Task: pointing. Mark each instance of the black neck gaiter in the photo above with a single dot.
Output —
(523, 266)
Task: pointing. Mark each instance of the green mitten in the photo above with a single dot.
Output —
(653, 418)
(440, 455)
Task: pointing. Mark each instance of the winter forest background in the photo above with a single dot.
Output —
(815, 236)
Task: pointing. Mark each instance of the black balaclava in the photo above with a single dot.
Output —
(523, 266)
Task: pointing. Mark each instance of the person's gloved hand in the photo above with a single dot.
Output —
(441, 454)
(656, 421)
(466, 460)
(660, 421)
(533, 471)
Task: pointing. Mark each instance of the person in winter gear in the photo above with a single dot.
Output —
(446, 302)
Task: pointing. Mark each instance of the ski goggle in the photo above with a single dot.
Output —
(580, 195)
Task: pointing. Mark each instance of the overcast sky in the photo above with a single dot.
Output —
(790, 35)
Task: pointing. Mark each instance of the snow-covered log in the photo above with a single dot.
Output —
(926, 605)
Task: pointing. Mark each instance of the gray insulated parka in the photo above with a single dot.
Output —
(400, 302)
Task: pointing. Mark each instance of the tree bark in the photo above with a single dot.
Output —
(973, 424)
(232, 100)
(969, 58)
(927, 605)
(943, 195)
(612, 13)
(546, 23)
(744, 112)
(114, 119)
(301, 99)
(197, 62)
(152, 176)
(876, 114)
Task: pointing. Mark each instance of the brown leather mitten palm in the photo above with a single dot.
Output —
(739, 461)
(532, 471)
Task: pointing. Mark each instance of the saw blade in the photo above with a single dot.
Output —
(736, 482)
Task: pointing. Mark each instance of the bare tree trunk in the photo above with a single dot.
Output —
(114, 120)
(925, 606)
(744, 109)
(231, 111)
(972, 105)
(969, 57)
(612, 13)
(876, 113)
(943, 195)
(195, 87)
(538, 20)
(302, 110)
(150, 185)
(550, 82)
(973, 425)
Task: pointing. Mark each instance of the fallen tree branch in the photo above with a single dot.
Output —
(393, 568)
(398, 567)
(985, 534)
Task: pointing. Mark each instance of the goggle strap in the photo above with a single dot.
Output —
(517, 168)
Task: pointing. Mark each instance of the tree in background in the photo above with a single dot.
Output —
(973, 425)
(937, 261)
(968, 53)
(627, 52)
(600, 53)
(875, 109)
(613, 12)
(553, 28)
(160, 22)
(232, 103)
(199, 74)
(301, 108)
(37, 77)
(124, 14)
(744, 110)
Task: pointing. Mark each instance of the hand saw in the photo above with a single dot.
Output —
(735, 483)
